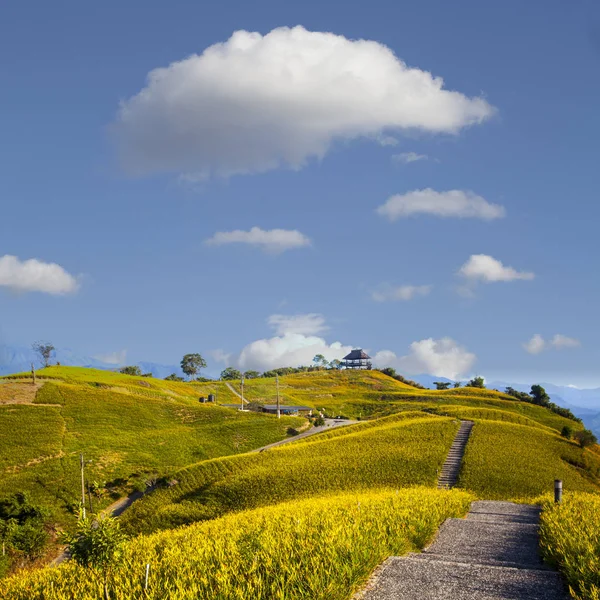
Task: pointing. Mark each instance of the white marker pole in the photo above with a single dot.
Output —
(277, 384)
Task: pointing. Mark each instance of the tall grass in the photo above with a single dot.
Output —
(396, 453)
(318, 549)
(506, 461)
(570, 538)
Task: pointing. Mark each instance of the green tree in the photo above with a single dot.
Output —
(320, 361)
(441, 385)
(251, 374)
(476, 382)
(191, 364)
(96, 545)
(456, 384)
(585, 438)
(335, 364)
(131, 370)
(538, 393)
(45, 350)
(230, 373)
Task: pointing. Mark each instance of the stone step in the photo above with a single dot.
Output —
(468, 560)
(479, 540)
(410, 578)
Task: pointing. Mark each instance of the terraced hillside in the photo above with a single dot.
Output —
(328, 495)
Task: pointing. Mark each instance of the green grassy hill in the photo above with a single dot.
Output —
(136, 429)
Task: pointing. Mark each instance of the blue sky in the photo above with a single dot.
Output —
(124, 203)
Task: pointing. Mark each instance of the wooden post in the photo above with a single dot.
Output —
(278, 408)
(90, 497)
(558, 491)
(32, 374)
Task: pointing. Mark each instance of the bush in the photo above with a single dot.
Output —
(319, 421)
(585, 438)
(567, 432)
(131, 370)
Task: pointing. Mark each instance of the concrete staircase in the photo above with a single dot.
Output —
(490, 555)
(450, 470)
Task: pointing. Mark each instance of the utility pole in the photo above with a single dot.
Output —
(277, 384)
(82, 463)
(242, 395)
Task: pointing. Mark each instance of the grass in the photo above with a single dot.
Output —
(570, 539)
(396, 453)
(128, 437)
(506, 461)
(322, 549)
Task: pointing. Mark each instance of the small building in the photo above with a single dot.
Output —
(286, 409)
(357, 359)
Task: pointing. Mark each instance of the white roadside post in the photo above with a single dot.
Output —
(242, 394)
(278, 408)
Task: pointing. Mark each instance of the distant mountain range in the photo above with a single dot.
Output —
(14, 359)
(583, 403)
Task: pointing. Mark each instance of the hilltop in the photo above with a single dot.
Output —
(141, 431)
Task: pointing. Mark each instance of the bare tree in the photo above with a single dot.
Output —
(45, 351)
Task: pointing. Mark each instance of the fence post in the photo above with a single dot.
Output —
(558, 490)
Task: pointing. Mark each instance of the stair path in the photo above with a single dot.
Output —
(491, 555)
(450, 470)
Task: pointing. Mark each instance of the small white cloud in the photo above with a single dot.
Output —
(220, 356)
(113, 358)
(562, 341)
(257, 102)
(274, 241)
(454, 203)
(409, 157)
(442, 358)
(388, 293)
(535, 345)
(481, 267)
(386, 140)
(308, 324)
(538, 344)
(35, 276)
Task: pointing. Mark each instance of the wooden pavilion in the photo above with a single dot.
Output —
(357, 359)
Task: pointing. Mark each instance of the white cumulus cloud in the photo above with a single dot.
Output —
(409, 157)
(288, 350)
(443, 358)
(481, 267)
(273, 241)
(35, 276)
(535, 345)
(256, 102)
(453, 203)
(559, 341)
(305, 324)
(389, 293)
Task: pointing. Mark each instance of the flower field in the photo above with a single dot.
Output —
(319, 549)
(570, 539)
(396, 453)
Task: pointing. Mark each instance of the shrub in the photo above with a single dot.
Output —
(567, 432)
(131, 370)
(585, 438)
